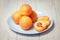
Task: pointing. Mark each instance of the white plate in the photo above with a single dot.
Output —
(18, 28)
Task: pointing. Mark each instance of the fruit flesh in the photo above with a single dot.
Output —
(43, 18)
(41, 26)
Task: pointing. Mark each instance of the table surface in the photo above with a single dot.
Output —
(52, 7)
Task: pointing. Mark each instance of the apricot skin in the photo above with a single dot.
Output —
(16, 16)
(33, 16)
(25, 22)
(26, 9)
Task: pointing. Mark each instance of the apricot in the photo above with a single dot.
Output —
(40, 26)
(43, 18)
(42, 23)
(16, 16)
(26, 9)
(25, 22)
(33, 16)
(47, 22)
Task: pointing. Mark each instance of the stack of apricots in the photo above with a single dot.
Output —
(25, 17)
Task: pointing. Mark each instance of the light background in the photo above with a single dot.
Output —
(7, 7)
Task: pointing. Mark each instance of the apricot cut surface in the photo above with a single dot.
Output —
(40, 26)
(43, 18)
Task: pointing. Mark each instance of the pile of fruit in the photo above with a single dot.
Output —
(26, 17)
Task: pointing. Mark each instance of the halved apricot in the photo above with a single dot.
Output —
(25, 22)
(43, 18)
(40, 26)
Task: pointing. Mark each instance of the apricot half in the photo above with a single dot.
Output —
(43, 18)
(40, 26)
(33, 16)
(26, 9)
(25, 22)
(16, 16)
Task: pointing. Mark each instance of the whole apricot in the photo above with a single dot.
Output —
(33, 16)
(25, 22)
(26, 9)
(16, 16)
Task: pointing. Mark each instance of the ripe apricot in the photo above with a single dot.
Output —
(47, 22)
(16, 16)
(33, 16)
(43, 18)
(25, 22)
(40, 26)
(26, 9)
(42, 23)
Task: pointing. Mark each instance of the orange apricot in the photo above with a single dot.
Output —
(25, 22)
(40, 26)
(33, 16)
(43, 18)
(26, 9)
(16, 16)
